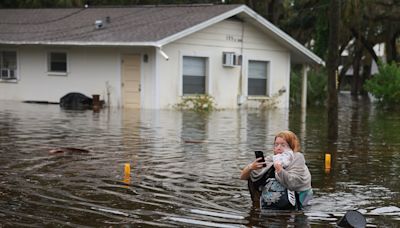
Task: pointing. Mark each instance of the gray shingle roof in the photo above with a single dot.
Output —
(131, 24)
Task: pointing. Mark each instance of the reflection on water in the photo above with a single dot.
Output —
(169, 169)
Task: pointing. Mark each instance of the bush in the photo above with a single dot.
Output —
(197, 103)
(295, 88)
(316, 87)
(385, 85)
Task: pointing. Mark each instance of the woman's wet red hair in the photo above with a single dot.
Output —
(291, 139)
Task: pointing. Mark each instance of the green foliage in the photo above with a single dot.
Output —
(322, 32)
(295, 87)
(199, 103)
(316, 87)
(385, 85)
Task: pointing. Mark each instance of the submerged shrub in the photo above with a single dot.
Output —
(197, 103)
(316, 87)
(385, 85)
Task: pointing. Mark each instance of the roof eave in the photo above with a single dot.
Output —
(201, 26)
(292, 43)
(79, 43)
(295, 46)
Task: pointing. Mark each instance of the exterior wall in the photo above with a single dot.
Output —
(90, 70)
(225, 84)
(148, 79)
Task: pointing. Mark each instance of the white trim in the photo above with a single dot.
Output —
(81, 43)
(268, 77)
(54, 73)
(180, 71)
(202, 25)
(245, 75)
(48, 61)
(8, 80)
(141, 87)
(252, 14)
(157, 61)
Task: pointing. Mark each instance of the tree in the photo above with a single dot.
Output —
(332, 65)
(385, 86)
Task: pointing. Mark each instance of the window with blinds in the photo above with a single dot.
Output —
(257, 78)
(194, 75)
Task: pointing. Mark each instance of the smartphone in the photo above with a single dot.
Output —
(260, 154)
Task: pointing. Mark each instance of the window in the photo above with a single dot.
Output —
(194, 75)
(8, 65)
(257, 80)
(58, 62)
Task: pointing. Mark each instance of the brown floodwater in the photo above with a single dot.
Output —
(151, 168)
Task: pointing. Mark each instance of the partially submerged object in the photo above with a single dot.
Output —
(68, 150)
(80, 101)
(76, 101)
(352, 219)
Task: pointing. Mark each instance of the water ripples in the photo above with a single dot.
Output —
(183, 170)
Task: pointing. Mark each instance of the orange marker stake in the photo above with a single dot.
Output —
(127, 173)
(127, 169)
(327, 161)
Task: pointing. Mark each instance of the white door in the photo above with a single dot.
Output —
(131, 80)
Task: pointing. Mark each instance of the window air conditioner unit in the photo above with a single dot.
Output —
(229, 59)
(7, 73)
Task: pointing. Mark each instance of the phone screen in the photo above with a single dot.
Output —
(260, 154)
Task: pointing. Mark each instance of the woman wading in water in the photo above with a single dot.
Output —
(285, 181)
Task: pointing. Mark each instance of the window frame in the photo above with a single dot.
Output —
(49, 62)
(15, 69)
(207, 84)
(267, 78)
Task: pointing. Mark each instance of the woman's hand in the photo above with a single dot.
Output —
(278, 166)
(256, 164)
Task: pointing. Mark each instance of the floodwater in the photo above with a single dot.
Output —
(179, 169)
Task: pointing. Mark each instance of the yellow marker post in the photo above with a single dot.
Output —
(127, 173)
(327, 162)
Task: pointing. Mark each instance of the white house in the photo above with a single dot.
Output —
(147, 56)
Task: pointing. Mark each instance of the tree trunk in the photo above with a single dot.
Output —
(332, 65)
(367, 45)
(366, 74)
(356, 82)
(390, 44)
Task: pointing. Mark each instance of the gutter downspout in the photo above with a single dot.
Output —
(241, 98)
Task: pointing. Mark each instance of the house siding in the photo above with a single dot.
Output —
(224, 82)
(90, 70)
